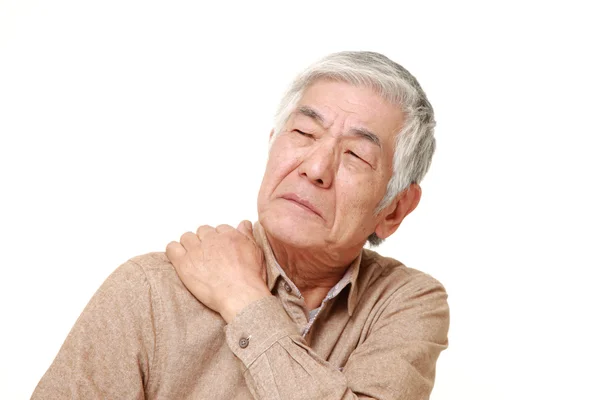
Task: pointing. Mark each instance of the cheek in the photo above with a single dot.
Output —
(282, 161)
(357, 197)
(355, 215)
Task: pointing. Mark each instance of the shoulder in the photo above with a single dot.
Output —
(393, 275)
(142, 270)
(148, 278)
(170, 296)
(156, 269)
(155, 262)
(136, 279)
(395, 293)
(152, 267)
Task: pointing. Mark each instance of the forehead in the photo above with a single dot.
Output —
(348, 106)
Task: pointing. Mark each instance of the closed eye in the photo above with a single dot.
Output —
(303, 133)
(353, 154)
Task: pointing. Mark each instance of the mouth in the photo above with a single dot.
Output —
(301, 203)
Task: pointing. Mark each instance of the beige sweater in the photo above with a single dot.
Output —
(144, 336)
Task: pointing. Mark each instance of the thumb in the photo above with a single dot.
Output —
(245, 227)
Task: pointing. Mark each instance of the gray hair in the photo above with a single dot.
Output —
(415, 143)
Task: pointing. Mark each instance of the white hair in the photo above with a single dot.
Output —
(415, 143)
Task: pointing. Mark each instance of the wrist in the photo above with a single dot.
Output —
(233, 306)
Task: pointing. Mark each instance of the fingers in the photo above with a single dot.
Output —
(223, 228)
(188, 240)
(175, 251)
(204, 230)
(245, 227)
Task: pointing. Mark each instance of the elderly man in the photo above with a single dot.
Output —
(292, 307)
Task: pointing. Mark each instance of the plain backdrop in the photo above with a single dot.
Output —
(126, 123)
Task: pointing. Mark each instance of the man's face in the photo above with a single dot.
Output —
(329, 167)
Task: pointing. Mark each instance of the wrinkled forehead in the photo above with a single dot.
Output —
(328, 102)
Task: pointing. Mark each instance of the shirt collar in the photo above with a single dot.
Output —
(274, 271)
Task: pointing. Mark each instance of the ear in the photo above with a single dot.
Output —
(395, 213)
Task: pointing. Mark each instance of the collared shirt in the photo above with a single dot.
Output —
(144, 336)
(334, 291)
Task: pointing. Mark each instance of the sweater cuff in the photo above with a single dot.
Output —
(257, 327)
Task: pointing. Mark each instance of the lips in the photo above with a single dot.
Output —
(302, 202)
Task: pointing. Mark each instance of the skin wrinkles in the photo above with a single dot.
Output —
(358, 132)
(315, 253)
(224, 268)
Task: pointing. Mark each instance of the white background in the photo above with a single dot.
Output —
(125, 123)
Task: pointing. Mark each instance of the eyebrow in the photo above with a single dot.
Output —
(311, 113)
(362, 132)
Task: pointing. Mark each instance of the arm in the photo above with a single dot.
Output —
(108, 353)
(396, 360)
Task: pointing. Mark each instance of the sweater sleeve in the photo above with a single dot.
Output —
(396, 360)
(108, 353)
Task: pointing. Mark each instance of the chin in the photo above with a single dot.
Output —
(293, 229)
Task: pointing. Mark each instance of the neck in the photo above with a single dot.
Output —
(313, 272)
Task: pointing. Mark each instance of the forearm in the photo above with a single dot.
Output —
(396, 360)
(279, 364)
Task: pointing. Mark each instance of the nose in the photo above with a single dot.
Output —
(319, 166)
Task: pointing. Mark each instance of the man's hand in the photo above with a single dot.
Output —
(222, 267)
